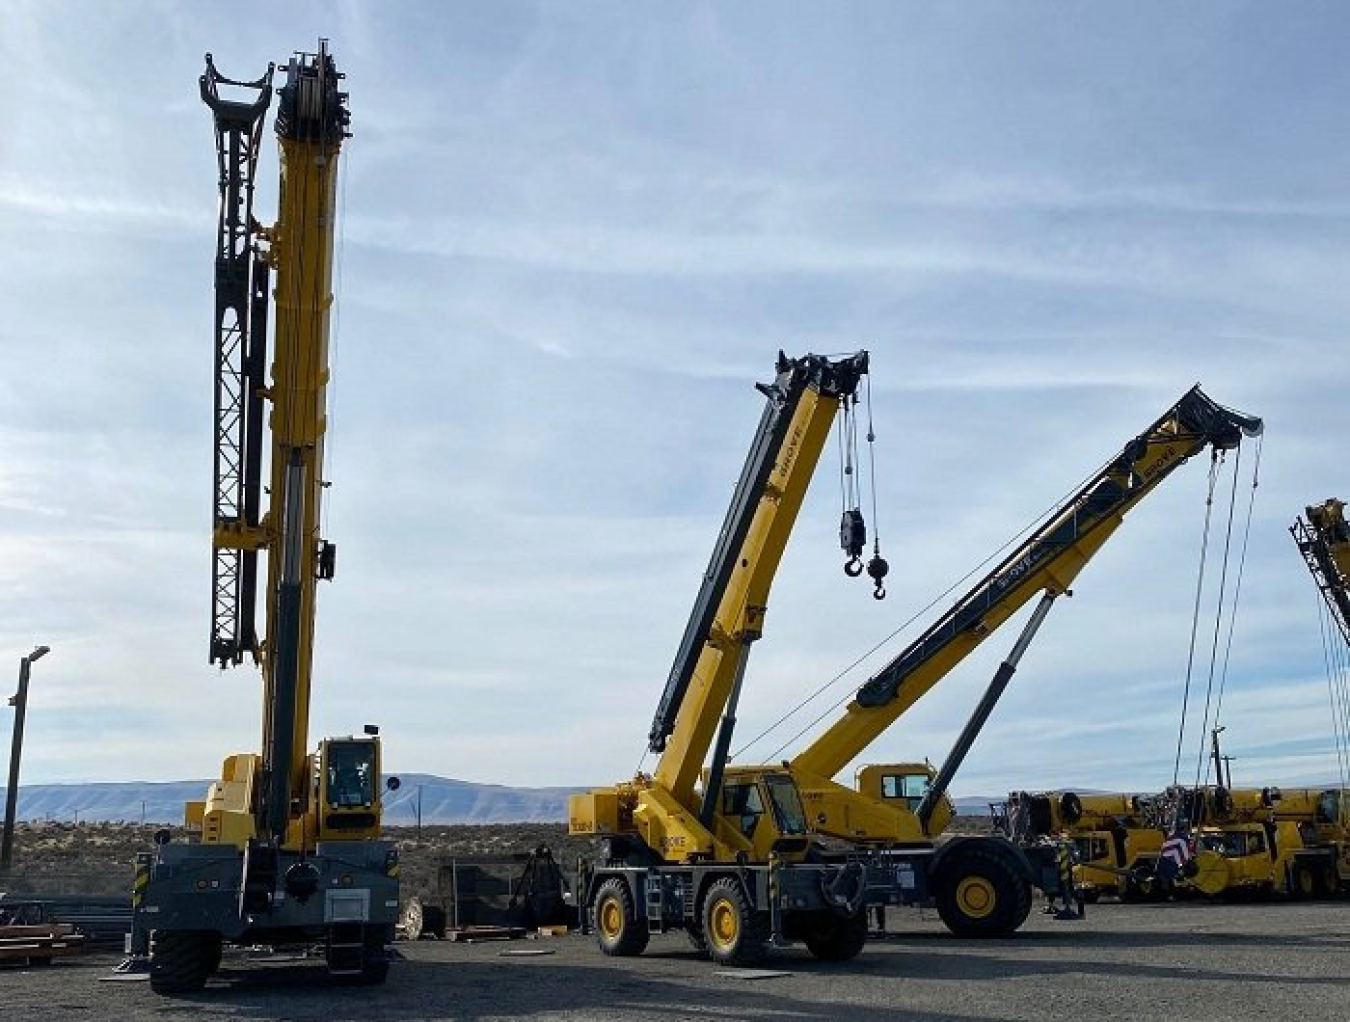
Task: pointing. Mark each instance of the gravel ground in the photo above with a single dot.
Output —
(1135, 962)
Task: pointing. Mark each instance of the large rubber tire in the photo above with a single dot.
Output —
(1328, 882)
(1142, 883)
(735, 932)
(618, 929)
(980, 892)
(1304, 881)
(835, 938)
(180, 961)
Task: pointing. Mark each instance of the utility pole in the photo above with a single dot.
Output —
(419, 812)
(20, 703)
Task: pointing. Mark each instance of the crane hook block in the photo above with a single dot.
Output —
(877, 570)
(853, 538)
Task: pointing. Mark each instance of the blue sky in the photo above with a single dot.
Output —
(572, 237)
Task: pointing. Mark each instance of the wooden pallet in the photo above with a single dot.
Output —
(40, 943)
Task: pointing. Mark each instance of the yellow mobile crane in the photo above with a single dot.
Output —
(1117, 850)
(289, 849)
(1259, 841)
(666, 862)
(677, 854)
(980, 886)
(1242, 847)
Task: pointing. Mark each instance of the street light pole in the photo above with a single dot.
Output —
(20, 704)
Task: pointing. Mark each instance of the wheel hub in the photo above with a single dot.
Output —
(611, 919)
(724, 924)
(976, 897)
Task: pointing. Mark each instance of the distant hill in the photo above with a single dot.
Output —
(974, 805)
(443, 800)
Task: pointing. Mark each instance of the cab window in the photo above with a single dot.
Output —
(787, 804)
(910, 788)
(743, 806)
(351, 774)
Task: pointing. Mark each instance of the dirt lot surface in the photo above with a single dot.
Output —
(1135, 962)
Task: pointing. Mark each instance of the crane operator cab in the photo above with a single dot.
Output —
(906, 785)
(349, 796)
(766, 809)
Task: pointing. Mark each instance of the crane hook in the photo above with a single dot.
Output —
(877, 570)
(852, 538)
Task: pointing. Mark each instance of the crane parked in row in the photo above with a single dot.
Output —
(743, 856)
(289, 850)
(982, 886)
(1116, 850)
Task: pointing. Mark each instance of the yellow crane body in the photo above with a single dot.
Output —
(288, 848)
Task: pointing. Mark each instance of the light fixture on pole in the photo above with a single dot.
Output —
(20, 703)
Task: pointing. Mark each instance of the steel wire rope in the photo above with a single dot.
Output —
(851, 469)
(843, 464)
(1333, 649)
(1214, 462)
(1342, 688)
(872, 470)
(1336, 654)
(1237, 585)
(1334, 643)
(1201, 760)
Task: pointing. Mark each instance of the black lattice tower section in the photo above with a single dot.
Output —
(240, 362)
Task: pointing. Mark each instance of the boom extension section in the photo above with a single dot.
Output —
(242, 273)
(1323, 537)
